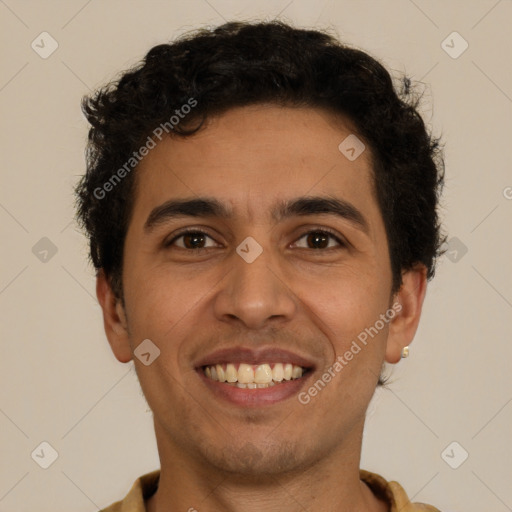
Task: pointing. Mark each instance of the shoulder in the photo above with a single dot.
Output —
(393, 493)
(141, 489)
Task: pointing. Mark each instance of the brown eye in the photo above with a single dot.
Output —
(193, 240)
(320, 239)
(190, 240)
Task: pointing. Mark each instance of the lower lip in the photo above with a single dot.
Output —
(255, 397)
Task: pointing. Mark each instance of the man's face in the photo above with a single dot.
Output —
(207, 299)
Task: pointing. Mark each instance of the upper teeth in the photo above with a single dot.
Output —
(257, 374)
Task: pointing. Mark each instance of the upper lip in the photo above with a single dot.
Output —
(254, 356)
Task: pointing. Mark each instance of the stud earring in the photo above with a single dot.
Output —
(405, 352)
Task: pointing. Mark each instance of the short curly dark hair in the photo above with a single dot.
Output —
(238, 64)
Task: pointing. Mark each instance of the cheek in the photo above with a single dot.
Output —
(160, 305)
(344, 306)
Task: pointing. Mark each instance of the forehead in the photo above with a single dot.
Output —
(252, 157)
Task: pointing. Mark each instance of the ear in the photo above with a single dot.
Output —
(407, 302)
(114, 319)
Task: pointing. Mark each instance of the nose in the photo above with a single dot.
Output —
(255, 293)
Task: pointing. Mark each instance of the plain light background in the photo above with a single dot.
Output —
(61, 384)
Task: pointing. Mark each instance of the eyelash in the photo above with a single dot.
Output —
(326, 231)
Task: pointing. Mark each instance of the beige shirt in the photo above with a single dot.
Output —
(390, 492)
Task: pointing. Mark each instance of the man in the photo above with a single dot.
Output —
(261, 208)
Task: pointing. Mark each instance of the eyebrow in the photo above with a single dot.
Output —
(301, 206)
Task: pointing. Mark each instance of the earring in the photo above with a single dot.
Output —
(405, 352)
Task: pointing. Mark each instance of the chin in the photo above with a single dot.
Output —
(253, 461)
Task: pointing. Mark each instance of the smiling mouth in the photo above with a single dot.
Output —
(249, 376)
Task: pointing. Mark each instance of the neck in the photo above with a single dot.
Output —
(330, 484)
